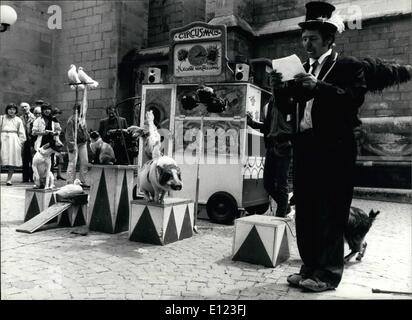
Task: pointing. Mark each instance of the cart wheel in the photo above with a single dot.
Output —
(222, 208)
(259, 209)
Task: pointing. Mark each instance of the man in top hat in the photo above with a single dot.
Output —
(326, 99)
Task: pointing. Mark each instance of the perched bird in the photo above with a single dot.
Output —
(70, 189)
(189, 102)
(208, 97)
(136, 132)
(74, 77)
(205, 94)
(91, 84)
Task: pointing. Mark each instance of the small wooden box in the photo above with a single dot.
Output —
(161, 224)
(263, 240)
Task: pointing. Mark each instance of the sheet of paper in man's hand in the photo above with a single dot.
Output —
(288, 66)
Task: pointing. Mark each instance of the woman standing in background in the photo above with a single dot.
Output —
(12, 138)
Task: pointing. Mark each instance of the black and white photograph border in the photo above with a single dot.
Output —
(120, 245)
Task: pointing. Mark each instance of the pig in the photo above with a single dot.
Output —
(158, 176)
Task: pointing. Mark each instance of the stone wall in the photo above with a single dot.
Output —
(165, 15)
(26, 55)
(90, 39)
(96, 35)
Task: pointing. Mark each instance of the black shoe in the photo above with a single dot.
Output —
(85, 186)
(315, 285)
(60, 178)
(295, 279)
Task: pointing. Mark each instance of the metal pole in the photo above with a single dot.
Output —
(75, 123)
(390, 291)
(121, 132)
(197, 171)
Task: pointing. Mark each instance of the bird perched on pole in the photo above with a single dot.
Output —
(91, 84)
(74, 78)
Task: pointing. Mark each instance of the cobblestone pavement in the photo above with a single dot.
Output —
(57, 264)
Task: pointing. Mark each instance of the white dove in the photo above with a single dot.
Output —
(70, 189)
(74, 77)
(85, 78)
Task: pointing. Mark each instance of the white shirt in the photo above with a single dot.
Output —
(306, 122)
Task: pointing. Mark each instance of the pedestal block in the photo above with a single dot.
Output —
(76, 214)
(161, 223)
(37, 200)
(110, 194)
(263, 240)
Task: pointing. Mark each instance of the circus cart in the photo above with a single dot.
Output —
(228, 161)
(220, 157)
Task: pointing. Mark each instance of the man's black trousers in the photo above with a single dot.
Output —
(323, 189)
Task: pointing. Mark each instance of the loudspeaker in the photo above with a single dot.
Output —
(154, 75)
(242, 72)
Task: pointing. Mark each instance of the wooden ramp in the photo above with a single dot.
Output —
(43, 217)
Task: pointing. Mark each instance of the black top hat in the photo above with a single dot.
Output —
(318, 16)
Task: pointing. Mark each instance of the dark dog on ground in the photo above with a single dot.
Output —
(102, 151)
(358, 226)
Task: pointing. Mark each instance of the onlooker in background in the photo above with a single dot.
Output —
(32, 138)
(28, 118)
(36, 113)
(277, 130)
(12, 138)
(59, 161)
(37, 103)
(110, 129)
(44, 127)
(77, 152)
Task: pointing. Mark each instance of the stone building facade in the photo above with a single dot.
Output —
(116, 41)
